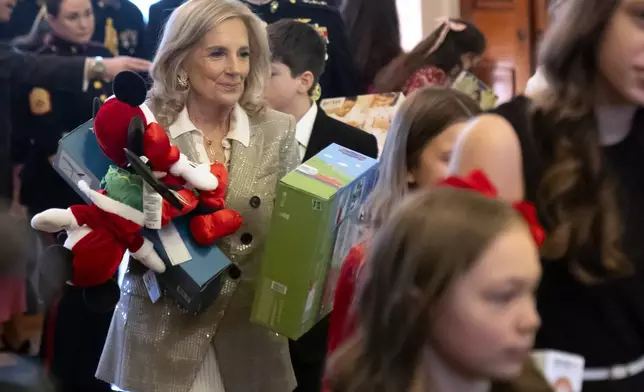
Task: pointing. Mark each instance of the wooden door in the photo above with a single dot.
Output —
(508, 26)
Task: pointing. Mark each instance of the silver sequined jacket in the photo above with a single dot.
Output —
(159, 348)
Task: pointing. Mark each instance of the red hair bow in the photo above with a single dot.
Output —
(478, 181)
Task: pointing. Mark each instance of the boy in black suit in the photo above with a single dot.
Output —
(298, 57)
(298, 61)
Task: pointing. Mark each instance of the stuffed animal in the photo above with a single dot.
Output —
(98, 236)
(126, 121)
(211, 219)
(112, 127)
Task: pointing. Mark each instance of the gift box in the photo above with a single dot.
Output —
(194, 280)
(372, 113)
(80, 158)
(468, 83)
(194, 272)
(314, 225)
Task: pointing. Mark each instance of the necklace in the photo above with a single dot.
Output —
(215, 155)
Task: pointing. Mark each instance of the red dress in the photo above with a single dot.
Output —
(343, 323)
(425, 77)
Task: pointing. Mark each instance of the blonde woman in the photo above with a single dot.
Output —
(209, 75)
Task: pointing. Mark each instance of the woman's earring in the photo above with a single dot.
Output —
(182, 79)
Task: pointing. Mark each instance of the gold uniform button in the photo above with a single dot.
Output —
(103, 97)
(98, 85)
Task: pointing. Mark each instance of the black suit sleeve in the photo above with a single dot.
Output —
(50, 71)
(341, 77)
(141, 47)
(152, 31)
(370, 146)
(20, 136)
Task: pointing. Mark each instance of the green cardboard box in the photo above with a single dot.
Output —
(314, 224)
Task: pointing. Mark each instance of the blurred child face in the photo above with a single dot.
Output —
(434, 160)
(621, 54)
(486, 324)
(283, 88)
(74, 22)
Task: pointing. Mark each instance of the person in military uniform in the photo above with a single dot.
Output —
(53, 113)
(120, 27)
(75, 326)
(22, 19)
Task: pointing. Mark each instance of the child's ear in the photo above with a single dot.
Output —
(307, 80)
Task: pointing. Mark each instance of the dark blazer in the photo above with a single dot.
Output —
(308, 353)
(16, 67)
(327, 130)
(157, 16)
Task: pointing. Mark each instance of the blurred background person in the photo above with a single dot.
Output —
(373, 30)
(416, 156)
(48, 115)
(575, 150)
(455, 45)
(119, 27)
(69, 74)
(458, 313)
(23, 15)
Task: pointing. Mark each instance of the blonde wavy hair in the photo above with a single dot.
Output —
(185, 28)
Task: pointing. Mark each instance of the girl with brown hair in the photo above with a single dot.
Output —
(446, 299)
(415, 156)
(456, 45)
(575, 150)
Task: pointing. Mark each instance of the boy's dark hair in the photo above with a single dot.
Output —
(298, 46)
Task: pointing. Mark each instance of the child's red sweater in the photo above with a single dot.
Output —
(343, 322)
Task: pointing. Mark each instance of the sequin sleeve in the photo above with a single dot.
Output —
(289, 156)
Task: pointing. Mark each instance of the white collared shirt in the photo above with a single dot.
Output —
(239, 130)
(304, 128)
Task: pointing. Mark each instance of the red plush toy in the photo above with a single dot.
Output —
(112, 130)
(98, 236)
(114, 124)
(212, 220)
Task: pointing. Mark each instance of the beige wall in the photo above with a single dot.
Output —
(418, 18)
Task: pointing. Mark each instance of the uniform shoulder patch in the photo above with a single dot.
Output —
(39, 101)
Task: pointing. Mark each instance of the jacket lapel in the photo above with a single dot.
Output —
(187, 145)
(319, 135)
(244, 165)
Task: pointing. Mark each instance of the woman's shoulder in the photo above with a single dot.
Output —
(270, 115)
(490, 143)
(488, 131)
(272, 122)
